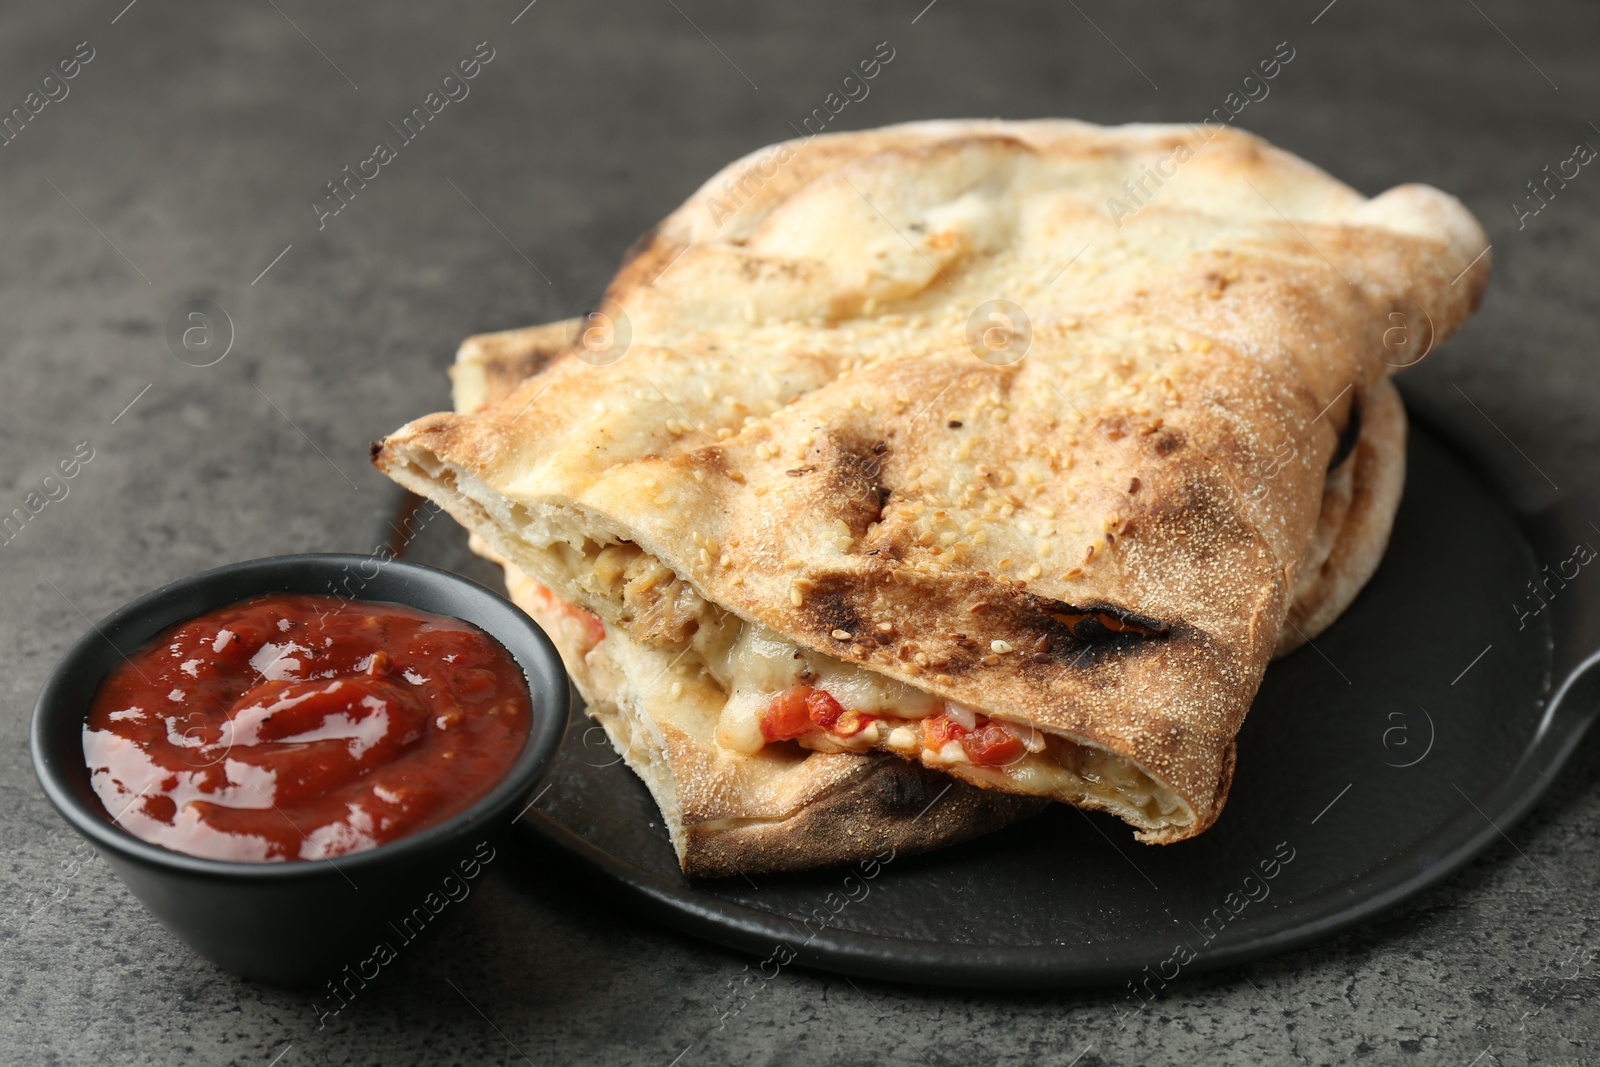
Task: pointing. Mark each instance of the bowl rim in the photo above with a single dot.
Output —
(516, 632)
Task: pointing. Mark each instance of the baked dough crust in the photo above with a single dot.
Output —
(1359, 502)
(803, 435)
(725, 813)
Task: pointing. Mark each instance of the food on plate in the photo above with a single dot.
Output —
(784, 808)
(296, 727)
(914, 447)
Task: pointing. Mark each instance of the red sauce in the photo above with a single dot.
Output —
(300, 727)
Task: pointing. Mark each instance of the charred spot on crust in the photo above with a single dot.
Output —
(373, 449)
(1091, 631)
(1349, 435)
(1045, 636)
(1167, 442)
(854, 473)
(1100, 625)
(880, 455)
(829, 610)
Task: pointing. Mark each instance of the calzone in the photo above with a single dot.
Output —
(919, 441)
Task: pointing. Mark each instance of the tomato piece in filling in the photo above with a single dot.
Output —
(987, 744)
(938, 730)
(594, 630)
(823, 709)
(797, 711)
(788, 716)
(991, 745)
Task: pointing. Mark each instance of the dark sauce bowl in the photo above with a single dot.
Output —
(296, 922)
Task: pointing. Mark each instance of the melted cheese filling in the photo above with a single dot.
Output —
(759, 664)
(752, 663)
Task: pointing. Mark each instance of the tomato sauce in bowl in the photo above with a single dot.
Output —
(303, 727)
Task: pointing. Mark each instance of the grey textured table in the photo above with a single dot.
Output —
(180, 165)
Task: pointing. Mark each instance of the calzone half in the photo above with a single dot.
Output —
(923, 440)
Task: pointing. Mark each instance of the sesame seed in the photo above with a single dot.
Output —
(1000, 647)
(841, 635)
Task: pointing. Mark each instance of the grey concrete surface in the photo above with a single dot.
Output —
(182, 162)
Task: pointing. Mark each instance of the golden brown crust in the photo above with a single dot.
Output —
(840, 807)
(1359, 510)
(803, 433)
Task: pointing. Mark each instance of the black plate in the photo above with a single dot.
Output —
(1420, 727)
